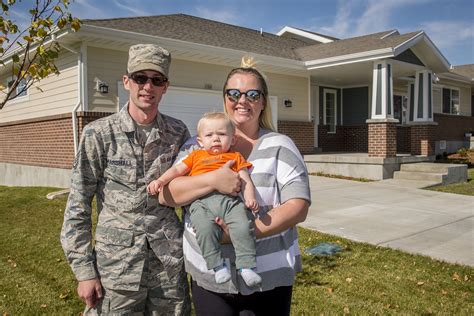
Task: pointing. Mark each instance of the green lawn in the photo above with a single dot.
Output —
(362, 279)
(466, 188)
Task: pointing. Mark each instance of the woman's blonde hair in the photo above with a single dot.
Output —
(248, 67)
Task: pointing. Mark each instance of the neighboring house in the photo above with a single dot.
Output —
(353, 95)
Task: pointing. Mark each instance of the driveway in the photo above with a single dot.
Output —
(395, 215)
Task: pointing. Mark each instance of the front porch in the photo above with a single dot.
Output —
(360, 165)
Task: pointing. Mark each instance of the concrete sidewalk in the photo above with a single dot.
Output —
(396, 215)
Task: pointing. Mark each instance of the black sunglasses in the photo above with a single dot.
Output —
(158, 81)
(252, 95)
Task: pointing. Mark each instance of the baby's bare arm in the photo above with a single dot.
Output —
(248, 190)
(180, 169)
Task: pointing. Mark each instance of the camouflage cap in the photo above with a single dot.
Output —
(148, 57)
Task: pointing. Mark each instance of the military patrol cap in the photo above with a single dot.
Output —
(148, 57)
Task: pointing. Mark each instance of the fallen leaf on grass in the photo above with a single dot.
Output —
(444, 292)
(63, 296)
(44, 305)
(420, 283)
(456, 277)
(346, 310)
(348, 280)
(330, 290)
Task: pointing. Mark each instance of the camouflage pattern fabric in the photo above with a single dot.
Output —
(148, 57)
(114, 167)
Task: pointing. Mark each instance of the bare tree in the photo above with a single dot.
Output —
(29, 50)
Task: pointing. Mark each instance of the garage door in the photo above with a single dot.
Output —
(189, 104)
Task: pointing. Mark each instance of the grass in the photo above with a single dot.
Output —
(362, 279)
(466, 188)
(336, 176)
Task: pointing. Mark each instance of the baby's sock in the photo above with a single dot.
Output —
(251, 278)
(222, 274)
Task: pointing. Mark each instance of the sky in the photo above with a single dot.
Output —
(448, 23)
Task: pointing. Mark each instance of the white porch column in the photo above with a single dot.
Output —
(381, 125)
(382, 91)
(420, 118)
(422, 100)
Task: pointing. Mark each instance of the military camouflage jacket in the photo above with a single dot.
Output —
(114, 167)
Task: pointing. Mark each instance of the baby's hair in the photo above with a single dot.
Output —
(215, 116)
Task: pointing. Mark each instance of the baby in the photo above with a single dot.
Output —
(216, 134)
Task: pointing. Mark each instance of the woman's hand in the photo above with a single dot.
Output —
(225, 239)
(226, 181)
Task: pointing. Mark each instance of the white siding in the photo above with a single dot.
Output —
(58, 95)
(109, 66)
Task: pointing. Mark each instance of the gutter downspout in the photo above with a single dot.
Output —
(80, 87)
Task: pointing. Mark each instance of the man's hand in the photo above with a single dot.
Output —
(227, 181)
(90, 291)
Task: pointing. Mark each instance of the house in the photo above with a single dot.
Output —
(381, 94)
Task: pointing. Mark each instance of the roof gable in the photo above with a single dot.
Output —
(305, 36)
(352, 45)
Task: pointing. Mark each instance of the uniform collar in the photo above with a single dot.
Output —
(128, 125)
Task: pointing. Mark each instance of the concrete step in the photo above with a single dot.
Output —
(413, 184)
(424, 176)
(453, 173)
(429, 167)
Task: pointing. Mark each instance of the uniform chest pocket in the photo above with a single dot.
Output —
(164, 159)
(121, 172)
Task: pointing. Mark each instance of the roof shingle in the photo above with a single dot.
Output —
(202, 31)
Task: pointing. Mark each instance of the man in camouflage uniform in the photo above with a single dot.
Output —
(136, 265)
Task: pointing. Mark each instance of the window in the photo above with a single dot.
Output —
(451, 101)
(330, 110)
(20, 88)
(400, 108)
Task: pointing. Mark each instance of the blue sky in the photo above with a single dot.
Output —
(448, 23)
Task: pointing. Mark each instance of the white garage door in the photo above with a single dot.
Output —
(189, 105)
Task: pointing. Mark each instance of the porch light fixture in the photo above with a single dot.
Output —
(288, 103)
(102, 87)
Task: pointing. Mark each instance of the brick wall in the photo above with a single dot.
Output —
(350, 138)
(302, 133)
(423, 139)
(382, 139)
(403, 139)
(452, 127)
(356, 138)
(44, 142)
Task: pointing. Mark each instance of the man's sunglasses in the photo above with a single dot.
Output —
(158, 81)
(252, 95)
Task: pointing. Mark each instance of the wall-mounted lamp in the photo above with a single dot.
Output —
(288, 103)
(102, 87)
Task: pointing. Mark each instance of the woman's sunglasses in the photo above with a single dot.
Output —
(157, 81)
(252, 95)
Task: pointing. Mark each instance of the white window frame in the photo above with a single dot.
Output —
(332, 91)
(404, 110)
(451, 89)
(19, 98)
